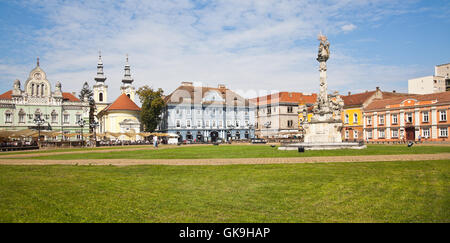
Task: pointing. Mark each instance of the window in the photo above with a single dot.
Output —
(78, 117)
(355, 134)
(237, 123)
(290, 123)
(425, 117)
(214, 123)
(199, 123)
(228, 123)
(8, 117)
(355, 118)
(347, 132)
(100, 97)
(381, 133)
(369, 133)
(246, 123)
(54, 117)
(207, 123)
(290, 109)
(369, 120)
(199, 112)
(426, 132)
(346, 118)
(178, 123)
(188, 123)
(66, 118)
(443, 132)
(220, 124)
(188, 111)
(177, 111)
(394, 119)
(381, 119)
(409, 118)
(395, 133)
(443, 115)
(21, 116)
(269, 110)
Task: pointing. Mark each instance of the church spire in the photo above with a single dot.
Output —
(100, 75)
(127, 76)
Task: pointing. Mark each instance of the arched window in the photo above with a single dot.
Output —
(54, 117)
(100, 97)
(37, 89)
(32, 89)
(8, 116)
(22, 116)
(42, 90)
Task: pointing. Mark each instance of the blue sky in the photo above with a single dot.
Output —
(251, 46)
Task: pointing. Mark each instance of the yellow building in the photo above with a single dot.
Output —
(122, 116)
(352, 114)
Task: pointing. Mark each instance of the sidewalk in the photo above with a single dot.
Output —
(292, 160)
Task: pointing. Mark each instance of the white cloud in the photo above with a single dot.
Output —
(348, 27)
(173, 41)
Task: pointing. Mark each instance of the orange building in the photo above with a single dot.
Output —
(408, 118)
(354, 106)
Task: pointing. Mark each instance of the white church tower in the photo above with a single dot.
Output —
(100, 88)
(127, 81)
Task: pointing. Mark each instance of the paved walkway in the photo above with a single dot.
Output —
(294, 160)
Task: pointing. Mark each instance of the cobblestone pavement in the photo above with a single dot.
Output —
(294, 160)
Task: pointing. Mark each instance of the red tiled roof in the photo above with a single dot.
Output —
(285, 97)
(434, 99)
(67, 96)
(357, 99)
(6, 95)
(123, 103)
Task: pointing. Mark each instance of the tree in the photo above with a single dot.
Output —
(152, 106)
(89, 94)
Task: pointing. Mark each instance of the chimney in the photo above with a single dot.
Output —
(74, 93)
(349, 93)
(393, 91)
(221, 86)
(186, 83)
(378, 88)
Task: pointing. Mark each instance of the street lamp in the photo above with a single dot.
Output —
(39, 122)
(94, 126)
(81, 123)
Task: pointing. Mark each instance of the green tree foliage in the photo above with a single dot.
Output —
(87, 92)
(152, 106)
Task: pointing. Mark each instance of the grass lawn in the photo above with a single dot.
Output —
(243, 151)
(326, 192)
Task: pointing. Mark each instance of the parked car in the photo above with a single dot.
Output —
(258, 140)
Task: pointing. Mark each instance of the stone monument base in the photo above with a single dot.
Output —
(327, 131)
(323, 146)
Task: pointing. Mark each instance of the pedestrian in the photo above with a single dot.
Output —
(155, 141)
(419, 137)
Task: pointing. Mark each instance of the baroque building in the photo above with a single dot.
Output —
(354, 105)
(408, 118)
(277, 115)
(199, 113)
(122, 115)
(60, 110)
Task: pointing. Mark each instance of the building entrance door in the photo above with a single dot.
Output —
(410, 133)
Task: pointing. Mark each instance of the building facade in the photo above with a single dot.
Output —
(206, 114)
(411, 118)
(277, 115)
(122, 115)
(60, 110)
(439, 82)
(354, 105)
